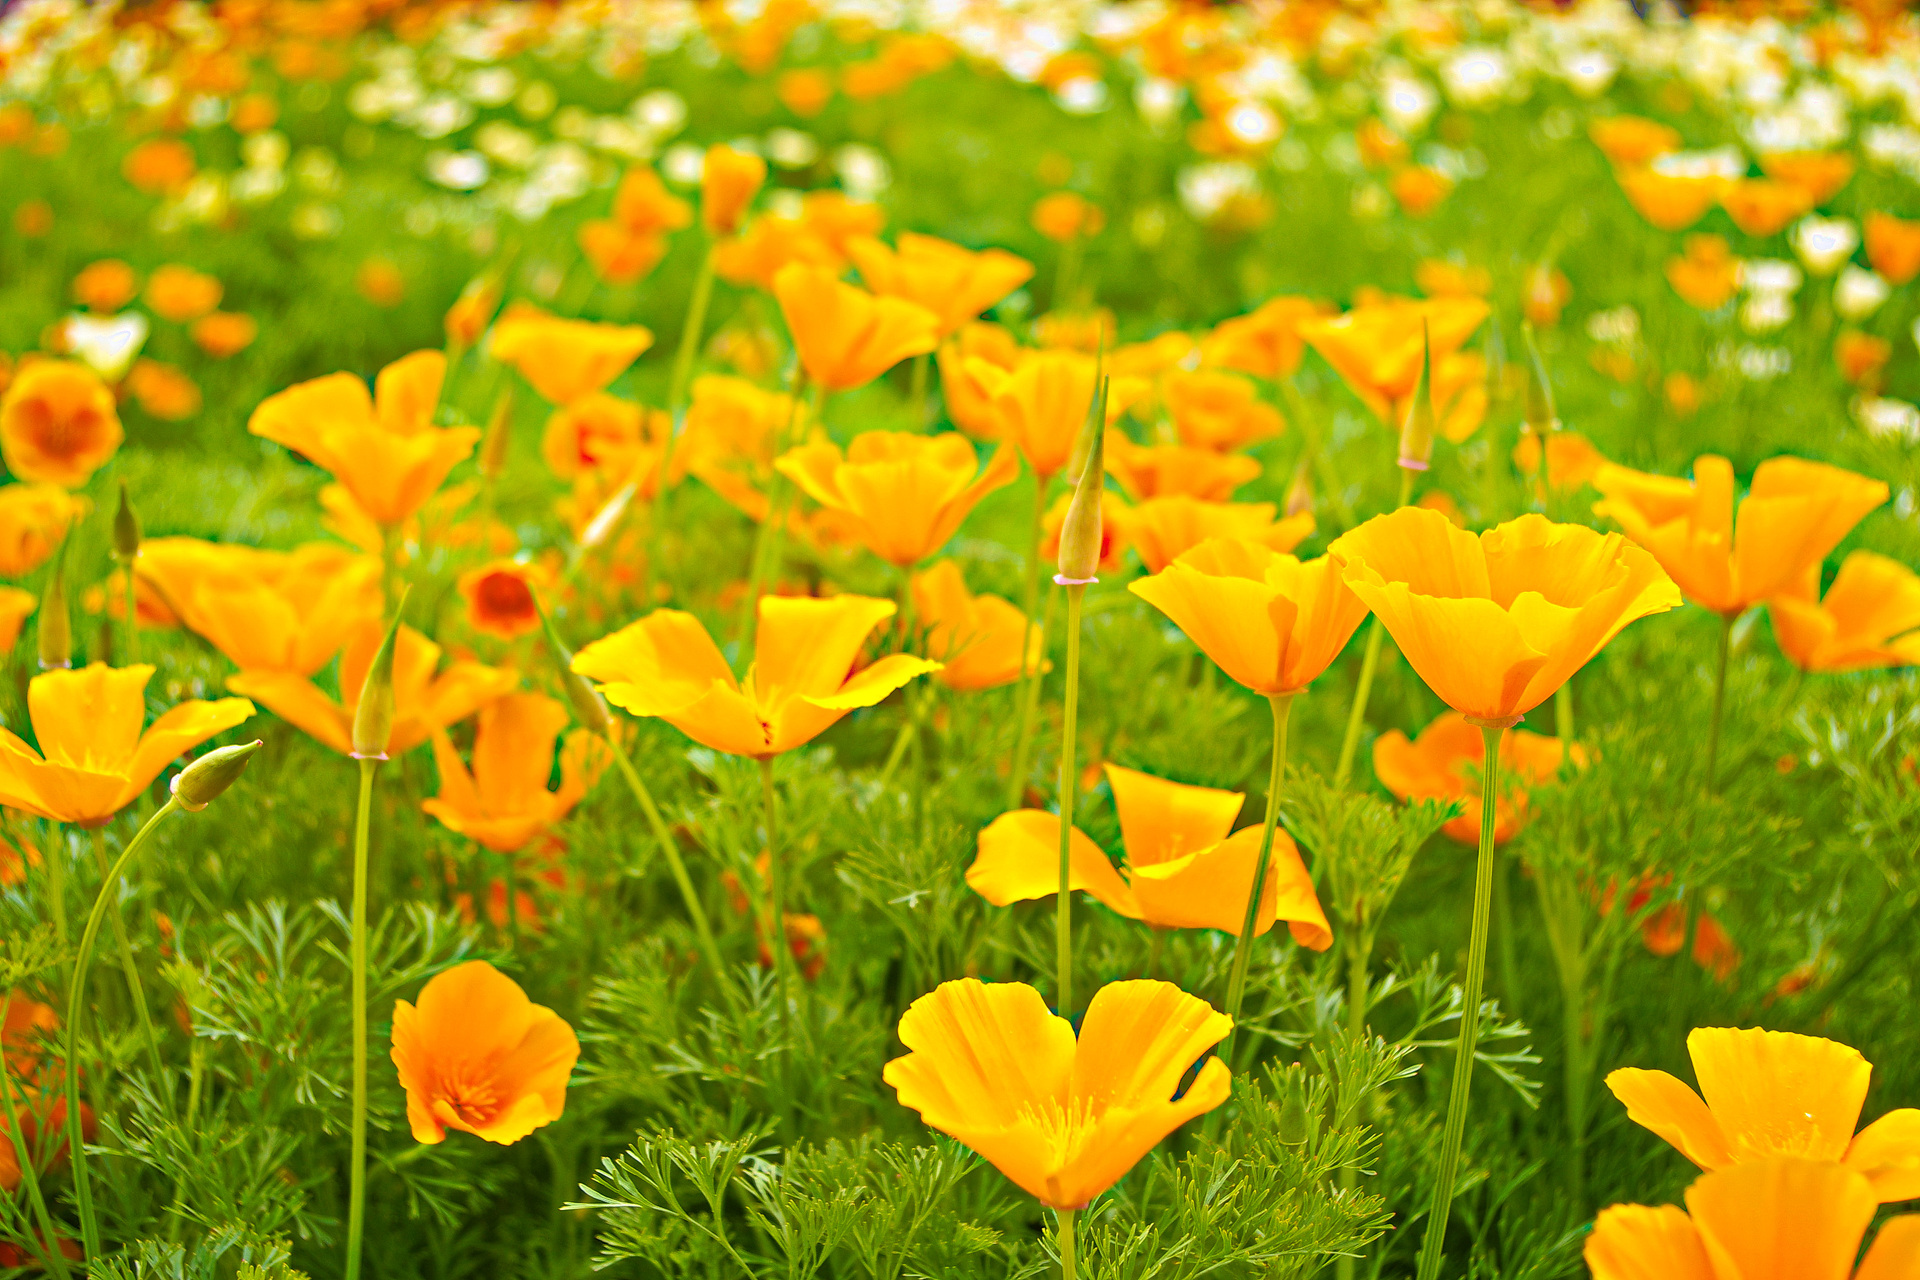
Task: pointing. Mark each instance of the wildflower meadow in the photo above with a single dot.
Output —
(959, 639)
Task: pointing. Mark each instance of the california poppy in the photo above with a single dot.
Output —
(732, 435)
(1163, 529)
(802, 680)
(769, 245)
(224, 333)
(600, 430)
(503, 802)
(1063, 1116)
(1671, 202)
(1186, 867)
(1496, 622)
(94, 759)
(477, 1055)
(1272, 622)
(969, 391)
(565, 359)
(845, 336)
(1707, 275)
(1782, 1219)
(1821, 174)
(1043, 403)
(16, 606)
(1264, 343)
(643, 205)
(1772, 1093)
(1215, 410)
(1160, 471)
(1794, 513)
(58, 424)
(34, 518)
(1571, 459)
(618, 255)
(1862, 357)
(729, 180)
(1063, 216)
(163, 390)
(1632, 140)
(1893, 247)
(907, 493)
(977, 639)
(1447, 760)
(1761, 207)
(281, 611)
(1379, 349)
(953, 282)
(467, 319)
(105, 286)
(181, 294)
(425, 697)
(383, 447)
(1870, 616)
(499, 598)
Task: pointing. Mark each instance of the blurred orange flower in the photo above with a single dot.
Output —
(1869, 618)
(600, 430)
(1446, 762)
(1862, 357)
(1440, 278)
(806, 91)
(1669, 202)
(106, 285)
(1572, 460)
(278, 611)
(845, 336)
(163, 390)
(953, 282)
(1264, 343)
(907, 493)
(224, 333)
(1379, 349)
(643, 206)
(1418, 189)
(467, 319)
(732, 435)
(1065, 216)
(977, 639)
(1544, 294)
(33, 520)
(728, 182)
(836, 220)
(16, 606)
(1821, 174)
(768, 245)
(1707, 275)
(500, 599)
(503, 804)
(1761, 207)
(1166, 470)
(181, 294)
(968, 392)
(1043, 403)
(1632, 141)
(1893, 247)
(619, 256)
(58, 424)
(379, 281)
(565, 359)
(1222, 411)
(1163, 529)
(160, 166)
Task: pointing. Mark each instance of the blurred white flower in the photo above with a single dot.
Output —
(1205, 189)
(1157, 100)
(662, 112)
(256, 184)
(683, 164)
(1886, 418)
(1728, 163)
(1766, 312)
(1770, 275)
(1589, 71)
(1407, 103)
(458, 170)
(506, 144)
(492, 86)
(316, 170)
(440, 115)
(1082, 95)
(106, 344)
(1824, 243)
(536, 101)
(791, 149)
(863, 171)
(1618, 325)
(316, 221)
(1477, 76)
(265, 150)
(1857, 294)
(1763, 364)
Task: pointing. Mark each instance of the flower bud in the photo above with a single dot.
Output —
(589, 708)
(493, 445)
(1540, 415)
(373, 712)
(1416, 434)
(205, 778)
(126, 529)
(56, 624)
(607, 518)
(1081, 535)
(1300, 489)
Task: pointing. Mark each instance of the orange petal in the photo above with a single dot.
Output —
(1782, 1219)
(982, 1056)
(1019, 860)
(1162, 820)
(1895, 1252)
(1634, 1242)
(1658, 1101)
(1779, 1094)
(1887, 1154)
(297, 701)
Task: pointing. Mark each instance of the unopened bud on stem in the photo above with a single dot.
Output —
(1540, 415)
(589, 708)
(126, 529)
(1416, 434)
(211, 774)
(1081, 535)
(373, 712)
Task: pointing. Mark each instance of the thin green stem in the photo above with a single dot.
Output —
(777, 929)
(1069, 788)
(48, 1247)
(76, 1009)
(767, 546)
(1030, 679)
(57, 883)
(133, 619)
(1357, 714)
(1317, 453)
(690, 336)
(1282, 704)
(1063, 1236)
(1719, 700)
(1563, 714)
(357, 1166)
(135, 988)
(1458, 1104)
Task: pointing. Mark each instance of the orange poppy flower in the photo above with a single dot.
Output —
(467, 319)
(500, 598)
(1160, 471)
(600, 430)
(1186, 867)
(503, 803)
(160, 166)
(1544, 294)
(1164, 529)
(1418, 189)
(163, 390)
(1821, 174)
(380, 282)
(1264, 343)
(181, 294)
(1761, 207)
(906, 493)
(769, 245)
(732, 435)
(1869, 618)
(1893, 247)
(94, 760)
(1664, 932)
(1064, 216)
(644, 207)
(1379, 349)
(1470, 612)
(1223, 411)
(969, 392)
(1086, 330)
(565, 359)
(976, 639)
(729, 180)
(845, 336)
(1044, 402)
(619, 256)
(1769, 1094)
(836, 220)
(278, 611)
(16, 606)
(224, 333)
(1155, 356)
(1781, 1219)
(1272, 623)
(1670, 202)
(1447, 760)
(1707, 275)
(1862, 357)
(426, 699)
(383, 448)
(1439, 278)
(1572, 460)
(954, 283)
(1631, 141)
(666, 665)
(106, 285)
(990, 1067)
(58, 424)
(478, 1056)
(33, 520)
(1795, 512)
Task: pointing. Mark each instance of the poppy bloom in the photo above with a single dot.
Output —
(617, 255)
(1794, 513)
(1707, 275)
(845, 336)
(16, 606)
(477, 1055)
(977, 639)
(565, 359)
(1418, 189)
(1496, 622)
(500, 599)
(380, 282)
(1862, 357)
(1379, 349)
(503, 803)
(1772, 1093)
(1869, 618)
(1821, 174)
(1447, 761)
(267, 611)
(732, 435)
(1761, 207)
(58, 424)
(181, 294)
(472, 311)
(106, 285)
(1670, 202)
(767, 246)
(1893, 247)
(906, 493)
(1439, 278)
(1664, 933)
(1544, 294)
(382, 447)
(953, 282)
(224, 333)
(1164, 529)
(729, 180)
(1042, 404)
(1064, 216)
(1630, 141)
(425, 698)
(1571, 459)
(802, 680)
(94, 760)
(967, 390)
(1781, 1219)
(163, 390)
(991, 1067)
(600, 430)
(1264, 343)
(1163, 471)
(1272, 623)
(1222, 411)
(33, 520)
(1186, 868)
(160, 166)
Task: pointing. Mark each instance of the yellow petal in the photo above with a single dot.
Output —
(179, 729)
(1782, 1219)
(1779, 1094)
(982, 1055)
(1634, 1242)
(1162, 820)
(297, 701)
(91, 717)
(1658, 1101)
(1895, 1252)
(1887, 1154)
(1019, 860)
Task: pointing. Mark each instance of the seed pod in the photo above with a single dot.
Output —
(56, 623)
(1081, 535)
(1540, 415)
(1416, 434)
(589, 708)
(126, 530)
(373, 714)
(211, 774)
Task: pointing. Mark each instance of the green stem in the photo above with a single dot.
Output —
(131, 966)
(766, 548)
(57, 883)
(1069, 788)
(357, 1161)
(1719, 699)
(690, 335)
(1433, 1248)
(513, 905)
(1063, 1236)
(76, 1008)
(133, 620)
(1282, 704)
(48, 1247)
(1563, 715)
(1357, 715)
(1317, 452)
(777, 930)
(1030, 680)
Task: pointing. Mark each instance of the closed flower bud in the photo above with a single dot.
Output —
(493, 445)
(1416, 434)
(1080, 535)
(589, 708)
(373, 713)
(56, 624)
(211, 774)
(126, 529)
(1540, 416)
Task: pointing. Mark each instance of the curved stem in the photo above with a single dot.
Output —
(1069, 787)
(1458, 1103)
(1282, 704)
(131, 967)
(357, 1167)
(1357, 716)
(56, 858)
(690, 335)
(76, 1007)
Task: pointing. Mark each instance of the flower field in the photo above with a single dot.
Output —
(930, 639)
